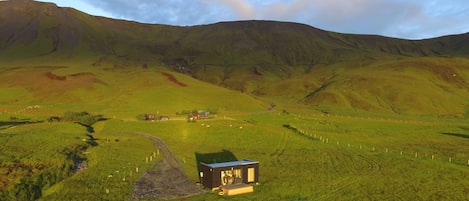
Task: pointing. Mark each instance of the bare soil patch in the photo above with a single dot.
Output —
(173, 79)
(166, 179)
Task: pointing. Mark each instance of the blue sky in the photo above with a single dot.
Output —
(409, 19)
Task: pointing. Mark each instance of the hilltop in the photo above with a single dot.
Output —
(276, 61)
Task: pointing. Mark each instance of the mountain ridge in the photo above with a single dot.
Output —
(72, 26)
(285, 61)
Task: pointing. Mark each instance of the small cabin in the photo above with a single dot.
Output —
(219, 175)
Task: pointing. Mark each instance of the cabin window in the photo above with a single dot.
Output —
(229, 177)
(250, 174)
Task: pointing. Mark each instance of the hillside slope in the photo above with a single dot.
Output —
(280, 61)
(114, 92)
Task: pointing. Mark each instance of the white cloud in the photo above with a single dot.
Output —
(396, 18)
(243, 9)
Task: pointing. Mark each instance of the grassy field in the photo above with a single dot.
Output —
(303, 156)
(114, 165)
(36, 155)
(299, 167)
(305, 153)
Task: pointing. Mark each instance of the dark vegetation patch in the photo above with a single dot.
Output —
(83, 118)
(171, 78)
(14, 121)
(456, 135)
(21, 180)
(257, 72)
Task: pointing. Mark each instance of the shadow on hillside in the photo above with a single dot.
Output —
(8, 124)
(457, 135)
(217, 157)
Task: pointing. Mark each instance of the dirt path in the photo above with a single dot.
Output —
(165, 179)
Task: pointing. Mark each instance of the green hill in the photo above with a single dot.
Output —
(116, 92)
(275, 61)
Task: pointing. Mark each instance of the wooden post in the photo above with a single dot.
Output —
(337, 142)
(151, 158)
(416, 154)
(136, 169)
(107, 190)
(360, 147)
(401, 152)
(158, 152)
(387, 150)
(146, 159)
(184, 160)
(373, 148)
(433, 156)
(154, 154)
(449, 159)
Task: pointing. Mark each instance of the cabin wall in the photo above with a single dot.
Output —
(206, 178)
(246, 173)
(212, 176)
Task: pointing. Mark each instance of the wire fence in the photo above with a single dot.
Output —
(396, 151)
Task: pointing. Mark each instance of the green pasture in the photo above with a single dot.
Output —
(296, 164)
(114, 165)
(298, 167)
(35, 155)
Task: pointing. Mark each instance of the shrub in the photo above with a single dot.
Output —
(83, 118)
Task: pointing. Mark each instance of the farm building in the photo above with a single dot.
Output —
(231, 177)
(197, 115)
(150, 117)
(163, 118)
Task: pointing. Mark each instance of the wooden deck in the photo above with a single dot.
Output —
(237, 189)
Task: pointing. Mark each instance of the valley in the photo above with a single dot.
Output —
(329, 116)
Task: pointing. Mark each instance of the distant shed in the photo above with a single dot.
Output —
(218, 175)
